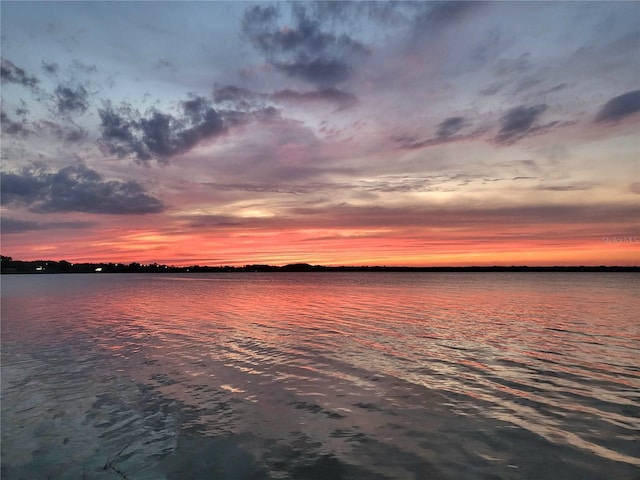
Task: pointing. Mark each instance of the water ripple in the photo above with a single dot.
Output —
(354, 372)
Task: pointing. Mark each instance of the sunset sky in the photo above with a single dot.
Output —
(338, 133)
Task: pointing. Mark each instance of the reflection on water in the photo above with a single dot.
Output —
(321, 375)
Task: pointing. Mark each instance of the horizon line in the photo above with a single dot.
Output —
(297, 266)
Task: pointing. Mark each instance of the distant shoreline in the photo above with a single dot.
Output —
(39, 267)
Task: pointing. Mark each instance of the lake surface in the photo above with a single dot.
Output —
(321, 376)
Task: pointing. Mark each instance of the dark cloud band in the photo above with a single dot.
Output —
(9, 73)
(76, 188)
(620, 107)
(519, 122)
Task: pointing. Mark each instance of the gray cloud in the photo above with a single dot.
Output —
(50, 68)
(244, 99)
(432, 18)
(159, 135)
(119, 132)
(339, 97)
(305, 50)
(234, 94)
(440, 14)
(76, 188)
(518, 123)
(619, 107)
(450, 126)
(71, 100)
(69, 132)
(12, 127)
(447, 130)
(9, 73)
(323, 71)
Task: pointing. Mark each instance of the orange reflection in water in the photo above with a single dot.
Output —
(543, 351)
(532, 311)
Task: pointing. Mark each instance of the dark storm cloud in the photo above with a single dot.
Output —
(71, 100)
(619, 107)
(304, 50)
(14, 225)
(333, 95)
(9, 73)
(76, 188)
(518, 123)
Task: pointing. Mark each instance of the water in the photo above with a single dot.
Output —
(321, 376)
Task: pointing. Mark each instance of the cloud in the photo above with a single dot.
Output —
(163, 64)
(234, 94)
(69, 132)
(518, 123)
(76, 188)
(50, 68)
(441, 14)
(11, 127)
(374, 216)
(432, 18)
(119, 132)
(245, 99)
(158, 135)
(567, 187)
(531, 218)
(447, 130)
(14, 225)
(333, 95)
(9, 73)
(450, 126)
(71, 100)
(620, 107)
(303, 50)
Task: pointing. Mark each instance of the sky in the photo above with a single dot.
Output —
(335, 133)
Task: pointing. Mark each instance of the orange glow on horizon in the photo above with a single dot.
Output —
(336, 247)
